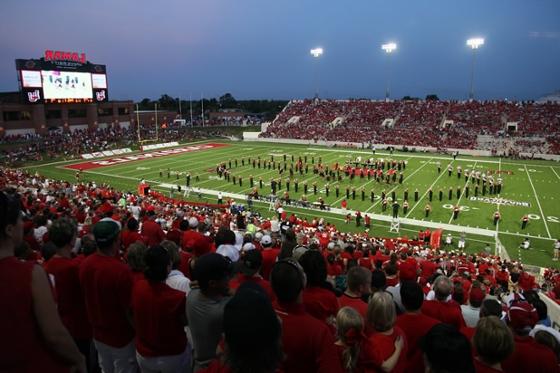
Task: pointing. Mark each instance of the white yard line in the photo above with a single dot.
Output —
(553, 170)
(499, 194)
(462, 193)
(427, 190)
(538, 203)
(405, 179)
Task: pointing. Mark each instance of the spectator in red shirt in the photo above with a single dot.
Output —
(350, 335)
(159, 318)
(493, 343)
(307, 342)
(249, 266)
(107, 287)
(385, 346)
(441, 309)
(252, 334)
(135, 260)
(63, 271)
(130, 234)
(318, 297)
(152, 231)
(529, 356)
(270, 254)
(413, 323)
(359, 285)
(447, 350)
(33, 338)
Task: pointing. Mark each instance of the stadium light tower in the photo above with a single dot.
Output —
(388, 48)
(474, 43)
(316, 53)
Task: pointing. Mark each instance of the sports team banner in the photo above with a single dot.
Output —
(435, 238)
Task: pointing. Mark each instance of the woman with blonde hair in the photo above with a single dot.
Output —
(384, 348)
(350, 333)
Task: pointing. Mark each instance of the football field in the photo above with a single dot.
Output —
(529, 187)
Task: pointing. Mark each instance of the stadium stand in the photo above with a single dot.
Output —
(514, 127)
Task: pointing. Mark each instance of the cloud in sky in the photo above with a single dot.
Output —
(545, 34)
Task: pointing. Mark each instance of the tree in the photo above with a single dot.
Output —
(227, 101)
(432, 97)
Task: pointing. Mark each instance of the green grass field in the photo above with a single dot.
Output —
(533, 182)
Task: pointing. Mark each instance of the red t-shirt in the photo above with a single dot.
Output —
(480, 367)
(107, 286)
(307, 342)
(269, 258)
(190, 237)
(530, 356)
(414, 327)
(158, 313)
(377, 348)
(153, 233)
(356, 303)
(236, 282)
(320, 303)
(129, 237)
(64, 275)
(23, 348)
(446, 312)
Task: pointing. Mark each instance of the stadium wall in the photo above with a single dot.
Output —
(425, 149)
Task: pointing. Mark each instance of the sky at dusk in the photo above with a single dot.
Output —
(260, 48)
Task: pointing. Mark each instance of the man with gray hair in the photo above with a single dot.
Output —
(442, 309)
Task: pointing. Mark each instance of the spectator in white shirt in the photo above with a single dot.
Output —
(471, 311)
(176, 279)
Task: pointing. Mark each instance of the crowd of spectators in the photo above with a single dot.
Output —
(70, 144)
(158, 285)
(448, 124)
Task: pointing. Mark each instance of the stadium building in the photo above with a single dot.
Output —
(61, 91)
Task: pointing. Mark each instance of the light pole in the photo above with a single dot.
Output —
(474, 43)
(388, 48)
(316, 53)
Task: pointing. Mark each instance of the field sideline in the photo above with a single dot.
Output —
(525, 182)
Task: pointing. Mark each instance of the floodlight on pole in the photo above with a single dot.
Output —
(316, 53)
(388, 48)
(474, 44)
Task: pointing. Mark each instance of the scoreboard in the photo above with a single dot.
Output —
(62, 77)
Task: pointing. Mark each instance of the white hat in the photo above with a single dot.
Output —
(258, 236)
(248, 247)
(193, 222)
(229, 251)
(266, 240)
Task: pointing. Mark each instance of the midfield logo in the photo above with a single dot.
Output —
(500, 201)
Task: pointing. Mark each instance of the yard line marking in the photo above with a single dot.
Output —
(499, 194)
(553, 170)
(462, 193)
(538, 203)
(405, 179)
(431, 186)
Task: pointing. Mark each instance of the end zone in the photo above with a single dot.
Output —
(90, 165)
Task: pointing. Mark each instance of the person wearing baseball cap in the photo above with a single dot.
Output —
(205, 305)
(270, 255)
(107, 286)
(308, 343)
(249, 266)
(471, 311)
(528, 355)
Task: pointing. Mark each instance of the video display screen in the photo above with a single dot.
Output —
(66, 84)
(99, 81)
(31, 79)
